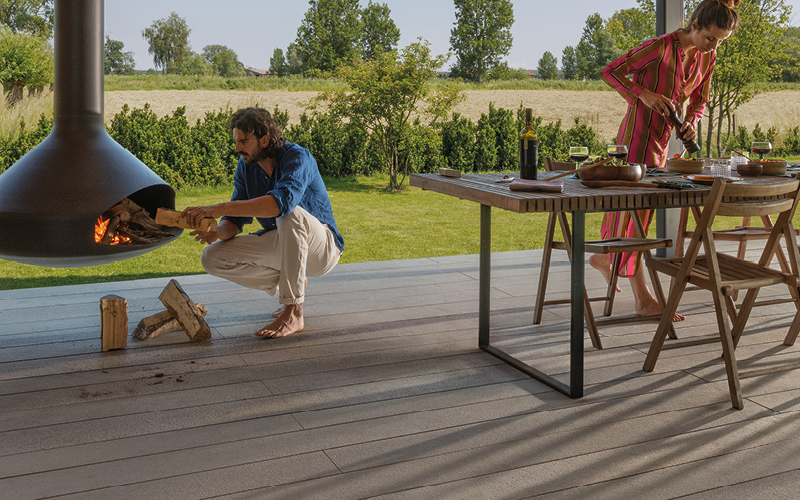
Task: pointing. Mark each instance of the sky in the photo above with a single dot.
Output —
(255, 28)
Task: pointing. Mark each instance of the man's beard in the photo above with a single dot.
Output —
(261, 154)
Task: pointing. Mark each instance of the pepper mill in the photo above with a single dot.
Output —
(691, 146)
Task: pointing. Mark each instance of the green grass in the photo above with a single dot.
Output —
(377, 225)
(181, 82)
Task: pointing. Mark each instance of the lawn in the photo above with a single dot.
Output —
(377, 225)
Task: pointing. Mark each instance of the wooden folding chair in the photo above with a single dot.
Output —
(723, 274)
(741, 235)
(615, 246)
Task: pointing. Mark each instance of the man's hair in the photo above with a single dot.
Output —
(717, 12)
(260, 122)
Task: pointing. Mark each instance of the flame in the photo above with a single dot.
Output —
(100, 228)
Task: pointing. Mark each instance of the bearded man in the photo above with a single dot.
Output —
(279, 184)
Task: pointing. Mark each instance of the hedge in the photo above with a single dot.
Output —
(203, 153)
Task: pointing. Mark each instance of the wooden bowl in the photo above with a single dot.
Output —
(629, 172)
(771, 167)
(685, 165)
(749, 169)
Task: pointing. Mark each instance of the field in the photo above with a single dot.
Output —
(603, 110)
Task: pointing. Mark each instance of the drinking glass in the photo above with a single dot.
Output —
(578, 154)
(761, 148)
(618, 151)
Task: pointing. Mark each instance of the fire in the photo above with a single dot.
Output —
(100, 229)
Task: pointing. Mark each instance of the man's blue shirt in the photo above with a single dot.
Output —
(295, 181)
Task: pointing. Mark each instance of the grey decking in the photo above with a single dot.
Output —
(384, 394)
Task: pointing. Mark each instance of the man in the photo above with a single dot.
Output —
(279, 184)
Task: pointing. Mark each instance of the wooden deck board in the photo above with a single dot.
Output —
(385, 393)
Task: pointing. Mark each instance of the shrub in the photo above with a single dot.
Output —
(179, 154)
(458, 143)
(12, 149)
(339, 148)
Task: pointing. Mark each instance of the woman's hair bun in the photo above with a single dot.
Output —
(731, 4)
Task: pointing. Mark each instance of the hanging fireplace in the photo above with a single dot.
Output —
(50, 200)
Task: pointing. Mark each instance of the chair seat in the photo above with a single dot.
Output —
(616, 245)
(741, 233)
(735, 274)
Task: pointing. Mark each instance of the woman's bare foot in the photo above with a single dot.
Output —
(288, 322)
(649, 306)
(602, 263)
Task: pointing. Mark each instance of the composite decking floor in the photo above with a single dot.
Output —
(385, 394)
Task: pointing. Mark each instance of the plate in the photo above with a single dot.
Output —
(708, 179)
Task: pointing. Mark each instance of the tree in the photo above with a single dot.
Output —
(383, 96)
(224, 61)
(569, 63)
(548, 67)
(596, 48)
(169, 42)
(632, 27)
(25, 61)
(329, 35)
(196, 65)
(481, 36)
(743, 60)
(789, 59)
(294, 62)
(380, 34)
(277, 63)
(114, 60)
(34, 17)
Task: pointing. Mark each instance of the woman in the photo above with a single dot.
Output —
(665, 71)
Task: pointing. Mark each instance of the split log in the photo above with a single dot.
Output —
(167, 217)
(113, 322)
(185, 312)
(161, 323)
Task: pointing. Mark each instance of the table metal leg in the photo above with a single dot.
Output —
(575, 389)
(576, 304)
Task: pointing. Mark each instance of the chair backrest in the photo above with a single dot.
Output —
(557, 166)
(746, 199)
(755, 200)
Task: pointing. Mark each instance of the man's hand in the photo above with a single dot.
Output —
(194, 215)
(207, 237)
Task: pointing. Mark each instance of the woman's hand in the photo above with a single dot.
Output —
(688, 132)
(657, 102)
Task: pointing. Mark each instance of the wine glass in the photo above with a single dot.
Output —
(618, 151)
(578, 154)
(761, 148)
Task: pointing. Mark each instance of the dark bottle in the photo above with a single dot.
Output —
(691, 146)
(528, 148)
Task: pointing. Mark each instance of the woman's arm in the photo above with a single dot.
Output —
(650, 54)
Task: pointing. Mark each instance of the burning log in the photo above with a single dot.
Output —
(126, 223)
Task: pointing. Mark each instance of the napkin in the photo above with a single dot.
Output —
(531, 185)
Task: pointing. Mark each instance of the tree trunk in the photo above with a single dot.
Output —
(15, 94)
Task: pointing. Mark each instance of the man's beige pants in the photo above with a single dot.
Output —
(277, 260)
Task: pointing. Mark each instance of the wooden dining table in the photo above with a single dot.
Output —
(576, 199)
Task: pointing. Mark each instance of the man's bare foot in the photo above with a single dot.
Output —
(602, 263)
(290, 321)
(280, 310)
(649, 306)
